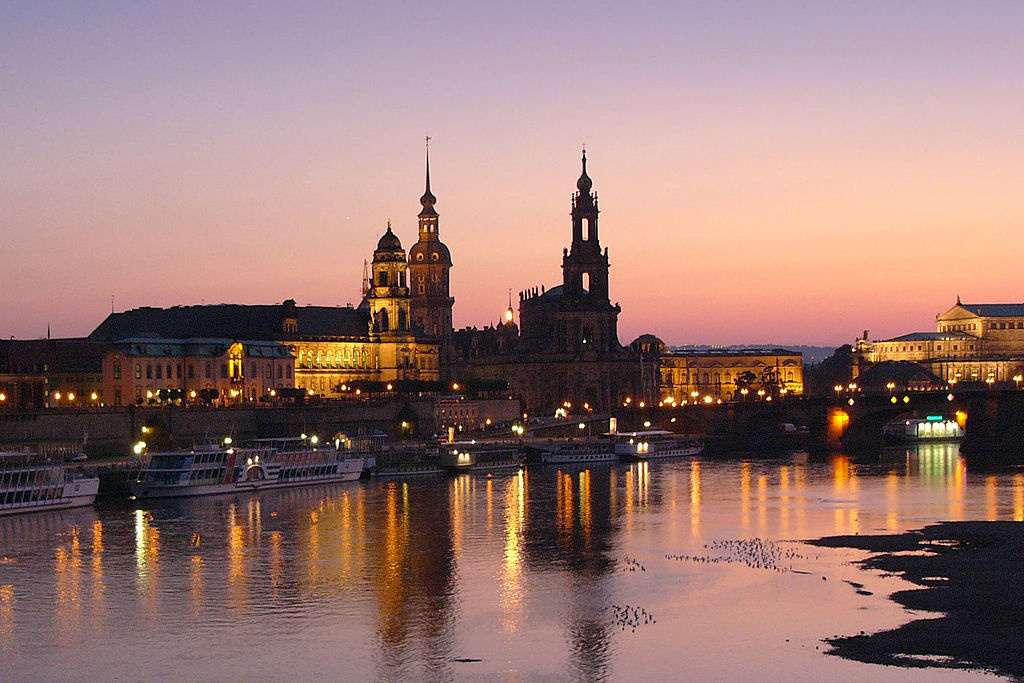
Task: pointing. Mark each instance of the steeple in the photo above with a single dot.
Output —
(428, 199)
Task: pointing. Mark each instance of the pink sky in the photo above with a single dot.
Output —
(772, 173)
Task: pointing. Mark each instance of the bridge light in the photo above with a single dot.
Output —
(949, 397)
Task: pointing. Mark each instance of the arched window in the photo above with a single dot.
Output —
(403, 319)
(382, 320)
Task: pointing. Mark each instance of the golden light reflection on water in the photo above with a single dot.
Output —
(511, 589)
(745, 495)
(784, 501)
(236, 559)
(762, 503)
(195, 584)
(630, 497)
(1018, 497)
(391, 588)
(8, 603)
(991, 490)
(695, 498)
(844, 488)
(147, 552)
(892, 501)
(564, 509)
(68, 572)
(98, 586)
(586, 521)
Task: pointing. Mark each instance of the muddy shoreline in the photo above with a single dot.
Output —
(971, 574)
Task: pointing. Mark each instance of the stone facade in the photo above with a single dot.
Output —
(566, 347)
(220, 371)
(700, 375)
(982, 343)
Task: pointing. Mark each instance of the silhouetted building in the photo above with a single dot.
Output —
(567, 347)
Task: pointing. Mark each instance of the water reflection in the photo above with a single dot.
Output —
(401, 578)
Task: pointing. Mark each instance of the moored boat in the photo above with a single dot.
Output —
(655, 444)
(571, 451)
(473, 456)
(29, 483)
(260, 464)
(923, 430)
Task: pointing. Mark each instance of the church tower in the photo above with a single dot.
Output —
(429, 263)
(387, 294)
(584, 266)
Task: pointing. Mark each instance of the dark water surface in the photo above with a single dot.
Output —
(662, 571)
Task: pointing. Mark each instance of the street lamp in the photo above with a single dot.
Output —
(1017, 379)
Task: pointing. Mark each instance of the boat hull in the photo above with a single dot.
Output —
(152, 491)
(77, 493)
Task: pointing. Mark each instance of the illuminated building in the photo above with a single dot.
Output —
(429, 262)
(51, 373)
(396, 333)
(695, 375)
(209, 370)
(972, 343)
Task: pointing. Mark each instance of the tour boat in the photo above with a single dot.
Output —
(572, 451)
(655, 444)
(29, 483)
(918, 430)
(260, 464)
(475, 456)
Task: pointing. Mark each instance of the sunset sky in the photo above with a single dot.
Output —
(769, 172)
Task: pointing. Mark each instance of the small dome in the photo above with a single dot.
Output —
(584, 184)
(389, 241)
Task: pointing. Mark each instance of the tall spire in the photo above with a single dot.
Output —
(428, 199)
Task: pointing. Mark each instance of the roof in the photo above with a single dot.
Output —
(928, 336)
(200, 347)
(231, 321)
(901, 372)
(996, 310)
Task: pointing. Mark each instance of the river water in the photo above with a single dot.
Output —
(656, 571)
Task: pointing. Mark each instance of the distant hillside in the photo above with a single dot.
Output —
(811, 354)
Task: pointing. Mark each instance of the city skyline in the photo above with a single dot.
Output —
(779, 174)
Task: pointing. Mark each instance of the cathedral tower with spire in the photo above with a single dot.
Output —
(429, 263)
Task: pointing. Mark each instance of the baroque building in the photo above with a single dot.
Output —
(688, 376)
(429, 262)
(981, 343)
(566, 347)
(396, 333)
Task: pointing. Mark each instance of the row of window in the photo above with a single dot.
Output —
(905, 348)
(716, 378)
(329, 359)
(156, 371)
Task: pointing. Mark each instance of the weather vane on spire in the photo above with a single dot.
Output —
(428, 141)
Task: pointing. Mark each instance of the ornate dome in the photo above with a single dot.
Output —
(584, 184)
(389, 241)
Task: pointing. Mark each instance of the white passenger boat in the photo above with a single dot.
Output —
(655, 444)
(29, 483)
(572, 451)
(923, 430)
(260, 464)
